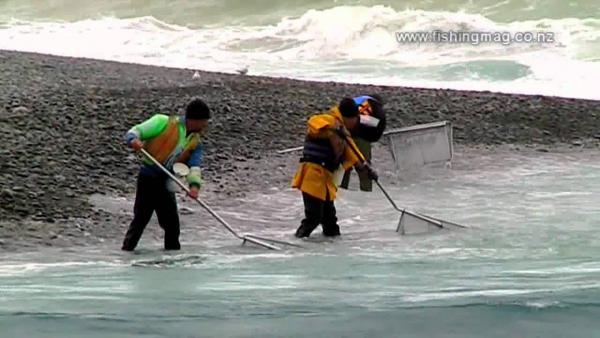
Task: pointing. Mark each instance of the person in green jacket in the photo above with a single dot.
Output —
(169, 139)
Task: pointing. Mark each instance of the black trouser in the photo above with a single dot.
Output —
(152, 195)
(318, 212)
(366, 184)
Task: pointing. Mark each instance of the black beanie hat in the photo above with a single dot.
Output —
(197, 110)
(348, 108)
(378, 98)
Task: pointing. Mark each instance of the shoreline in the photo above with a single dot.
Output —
(63, 119)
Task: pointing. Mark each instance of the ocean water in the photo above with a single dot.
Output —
(528, 266)
(345, 40)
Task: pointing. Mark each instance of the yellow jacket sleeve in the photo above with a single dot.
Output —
(350, 157)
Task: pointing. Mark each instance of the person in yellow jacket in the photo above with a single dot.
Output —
(169, 139)
(326, 151)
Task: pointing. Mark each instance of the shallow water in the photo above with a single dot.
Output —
(528, 267)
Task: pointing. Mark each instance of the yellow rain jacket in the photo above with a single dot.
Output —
(314, 179)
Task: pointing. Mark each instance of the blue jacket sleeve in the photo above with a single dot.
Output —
(196, 157)
(194, 178)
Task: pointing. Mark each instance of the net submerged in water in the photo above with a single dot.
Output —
(412, 223)
(413, 148)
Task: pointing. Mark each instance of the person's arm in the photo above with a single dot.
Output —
(351, 158)
(194, 178)
(146, 130)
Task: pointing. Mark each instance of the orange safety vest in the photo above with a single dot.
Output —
(163, 145)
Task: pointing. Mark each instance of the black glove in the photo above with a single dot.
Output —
(372, 174)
